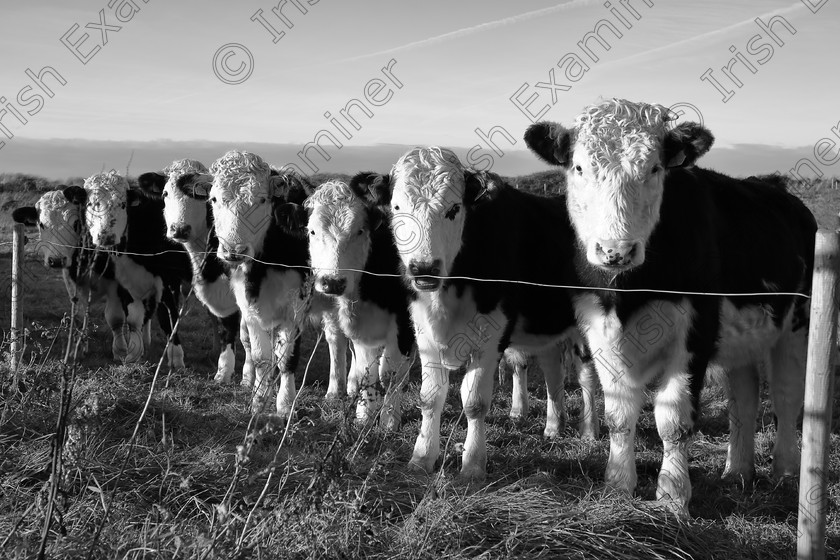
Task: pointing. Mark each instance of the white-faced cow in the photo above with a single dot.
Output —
(645, 218)
(189, 221)
(88, 275)
(354, 259)
(453, 226)
(151, 267)
(269, 267)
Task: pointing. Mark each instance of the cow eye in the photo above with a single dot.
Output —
(452, 212)
(262, 200)
(312, 232)
(397, 207)
(361, 231)
(122, 205)
(656, 168)
(41, 225)
(579, 169)
(213, 200)
(165, 194)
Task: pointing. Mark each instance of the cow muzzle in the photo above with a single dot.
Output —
(425, 275)
(617, 254)
(56, 262)
(180, 232)
(331, 285)
(107, 240)
(234, 254)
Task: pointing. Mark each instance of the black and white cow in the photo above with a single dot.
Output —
(354, 260)
(269, 269)
(646, 219)
(189, 221)
(88, 275)
(151, 267)
(455, 228)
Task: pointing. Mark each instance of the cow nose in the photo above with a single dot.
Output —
(180, 232)
(333, 285)
(107, 240)
(424, 268)
(55, 262)
(618, 252)
(233, 254)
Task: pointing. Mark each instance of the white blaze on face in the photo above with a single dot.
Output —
(427, 206)
(241, 200)
(59, 223)
(339, 238)
(105, 213)
(183, 213)
(615, 181)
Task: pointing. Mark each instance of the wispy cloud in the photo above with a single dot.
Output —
(458, 33)
(708, 35)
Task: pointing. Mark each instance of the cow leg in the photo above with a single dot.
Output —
(352, 373)
(673, 409)
(287, 351)
(136, 321)
(520, 362)
(167, 317)
(589, 425)
(337, 343)
(393, 370)
(115, 317)
(787, 391)
(433, 390)
(227, 329)
(622, 405)
(264, 366)
(367, 375)
(248, 366)
(743, 406)
(553, 363)
(476, 396)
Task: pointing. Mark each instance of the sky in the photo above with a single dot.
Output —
(192, 78)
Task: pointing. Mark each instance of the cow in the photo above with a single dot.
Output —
(677, 237)
(88, 275)
(129, 224)
(189, 221)
(355, 261)
(472, 251)
(269, 270)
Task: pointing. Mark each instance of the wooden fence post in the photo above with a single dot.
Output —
(17, 307)
(816, 422)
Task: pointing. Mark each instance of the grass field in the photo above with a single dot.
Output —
(199, 483)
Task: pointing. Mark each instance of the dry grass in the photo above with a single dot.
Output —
(340, 490)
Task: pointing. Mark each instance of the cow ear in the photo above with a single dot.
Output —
(685, 144)
(27, 215)
(133, 197)
(291, 217)
(289, 186)
(480, 186)
(373, 187)
(551, 142)
(75, 194)
(376, 217)
(152, 183)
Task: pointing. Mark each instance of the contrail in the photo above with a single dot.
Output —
(472, 30)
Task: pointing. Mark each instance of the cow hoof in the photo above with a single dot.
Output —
(389, 421)
(551, 432)
(677, 508)
(742, 479)
(175, 356)
(471, 474)
(421, 465)
(223, 377)
(334, 395)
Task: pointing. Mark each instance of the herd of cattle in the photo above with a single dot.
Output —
(638, 266)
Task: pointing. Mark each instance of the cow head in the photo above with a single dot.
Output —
(185, 199)
(106, 215)
(58, 215)
(244, 193)
(340, 224)
(429, 193)
(616, 160)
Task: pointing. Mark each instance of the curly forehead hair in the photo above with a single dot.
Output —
(181, 167)
(243, 175)
(620, 134)
(52, 201)
(427, 171)
(107, 186)
(332, 194)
